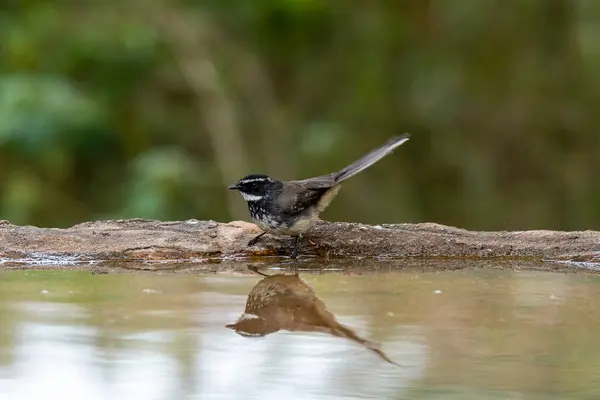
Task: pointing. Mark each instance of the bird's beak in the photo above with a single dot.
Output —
(233, 187)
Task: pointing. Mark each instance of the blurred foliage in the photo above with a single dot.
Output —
(150, 109)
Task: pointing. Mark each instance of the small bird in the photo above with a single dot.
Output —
(286, 302)
(292, 207)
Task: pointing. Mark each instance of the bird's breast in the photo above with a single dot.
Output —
(275, 223)
(262, 216)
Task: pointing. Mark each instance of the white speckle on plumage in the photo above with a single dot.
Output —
(262, 217)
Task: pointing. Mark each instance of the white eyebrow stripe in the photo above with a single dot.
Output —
(250, 197)
(255, 180)
(249, 316)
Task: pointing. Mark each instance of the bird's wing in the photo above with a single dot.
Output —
(297, 196)
(319, 182)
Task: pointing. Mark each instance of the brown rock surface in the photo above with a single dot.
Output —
(209, 241)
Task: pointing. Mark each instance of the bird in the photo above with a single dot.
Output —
(292, 207)
(285, 302)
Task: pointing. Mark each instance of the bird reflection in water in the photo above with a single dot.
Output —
(286, 302)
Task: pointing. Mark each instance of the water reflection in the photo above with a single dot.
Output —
(477, 334)
(286, 302)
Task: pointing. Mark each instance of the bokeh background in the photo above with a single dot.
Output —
(151, 108)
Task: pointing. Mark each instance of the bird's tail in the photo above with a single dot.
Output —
(371, 158)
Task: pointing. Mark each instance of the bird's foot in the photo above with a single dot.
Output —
(255, 269)
(295, 248)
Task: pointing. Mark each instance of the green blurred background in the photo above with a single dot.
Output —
(151, 108)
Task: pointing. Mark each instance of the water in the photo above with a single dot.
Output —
(469, 334)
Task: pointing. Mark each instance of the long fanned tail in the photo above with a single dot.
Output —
(370, 158)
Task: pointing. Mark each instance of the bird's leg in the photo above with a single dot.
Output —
(254, 269)
(255, 240)
(295, 247)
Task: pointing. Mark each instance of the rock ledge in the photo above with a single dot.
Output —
(201, 241)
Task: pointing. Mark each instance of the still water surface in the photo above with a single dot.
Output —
(470, 334)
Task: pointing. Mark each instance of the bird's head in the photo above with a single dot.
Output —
(254, 187)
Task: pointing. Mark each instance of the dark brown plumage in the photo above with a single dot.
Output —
(286, 302)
